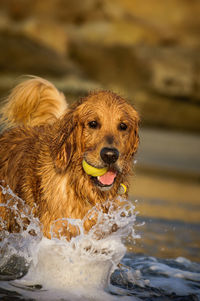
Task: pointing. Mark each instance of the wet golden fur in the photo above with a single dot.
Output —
(42, 149)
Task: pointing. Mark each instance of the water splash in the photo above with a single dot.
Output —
(16, 248)
(80, 267)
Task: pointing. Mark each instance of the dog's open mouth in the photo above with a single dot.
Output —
(106, 180)
(103, 177)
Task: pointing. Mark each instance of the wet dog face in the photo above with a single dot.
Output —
(102, 129)
(109, 135)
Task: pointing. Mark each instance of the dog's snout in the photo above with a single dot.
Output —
(109, 155)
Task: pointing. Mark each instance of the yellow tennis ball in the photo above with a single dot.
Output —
(93, 171)
(122, 189)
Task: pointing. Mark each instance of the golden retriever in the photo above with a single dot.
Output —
(45, 142)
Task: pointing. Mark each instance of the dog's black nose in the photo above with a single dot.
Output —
(109, 155)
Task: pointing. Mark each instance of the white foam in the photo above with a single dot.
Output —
(63, 266)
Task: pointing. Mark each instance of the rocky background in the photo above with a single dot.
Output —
(148, 51)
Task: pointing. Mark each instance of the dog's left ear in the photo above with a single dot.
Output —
(136, 142)
(64, 142)
(135, 137)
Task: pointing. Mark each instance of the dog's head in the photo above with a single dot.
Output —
(101, 129)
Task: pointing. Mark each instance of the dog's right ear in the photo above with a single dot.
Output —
(64, 142)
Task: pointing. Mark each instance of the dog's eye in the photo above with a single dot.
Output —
(93, 124)
(122, 126)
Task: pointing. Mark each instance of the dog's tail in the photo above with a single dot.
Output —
(33, 102)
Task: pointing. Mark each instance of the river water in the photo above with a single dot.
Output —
(37, 268)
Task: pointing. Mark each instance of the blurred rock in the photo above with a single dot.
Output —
(165, 112)
(176, 18)
(64, 11)
(174, 71)
(23, 55)
(50, 34)
(173, 75)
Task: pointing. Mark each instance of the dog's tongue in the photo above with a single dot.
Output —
(107, 178)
